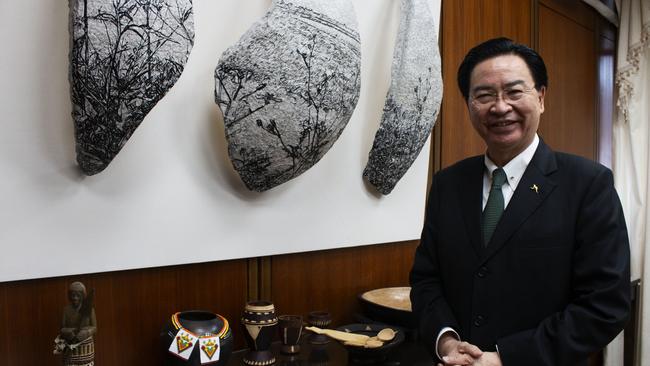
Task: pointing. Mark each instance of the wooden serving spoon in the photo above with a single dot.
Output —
(340, 336)
(386, 335)
(370, 343)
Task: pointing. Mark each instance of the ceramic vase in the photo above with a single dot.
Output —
(196, 338)
(319, 319)
(259, 322)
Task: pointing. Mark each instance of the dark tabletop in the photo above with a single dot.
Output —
(408, 353)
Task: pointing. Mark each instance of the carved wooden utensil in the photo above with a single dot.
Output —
(341, 336)
(386, 335)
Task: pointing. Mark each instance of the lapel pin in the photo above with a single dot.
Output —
(535, 188)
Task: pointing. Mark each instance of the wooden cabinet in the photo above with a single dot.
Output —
(467, 23)
(569, 49)
(566, 34)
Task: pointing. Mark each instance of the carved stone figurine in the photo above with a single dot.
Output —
(76, 339)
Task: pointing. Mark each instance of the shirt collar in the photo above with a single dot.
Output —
(517, 166)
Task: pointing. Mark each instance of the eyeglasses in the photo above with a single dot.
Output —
(486, 97)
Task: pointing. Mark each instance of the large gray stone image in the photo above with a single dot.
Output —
(413, 100)
(288, 88)
(125, 55)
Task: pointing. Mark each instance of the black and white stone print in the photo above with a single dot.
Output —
(288, 88)
(413, 100)
(125, 55)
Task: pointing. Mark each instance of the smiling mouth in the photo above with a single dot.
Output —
(501, 124)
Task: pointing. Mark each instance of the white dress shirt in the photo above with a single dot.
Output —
(514, 171)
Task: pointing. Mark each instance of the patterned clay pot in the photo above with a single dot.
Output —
(196, 338)
(259, 322)
(319, 319)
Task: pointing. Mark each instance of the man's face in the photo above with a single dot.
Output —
(504, 105)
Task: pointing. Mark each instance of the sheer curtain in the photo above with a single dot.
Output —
(631, 156)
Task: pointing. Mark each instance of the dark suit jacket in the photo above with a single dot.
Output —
(552, 286)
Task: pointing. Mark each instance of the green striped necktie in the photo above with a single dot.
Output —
(494, 207)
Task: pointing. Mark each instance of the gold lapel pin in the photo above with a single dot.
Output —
(535, 188)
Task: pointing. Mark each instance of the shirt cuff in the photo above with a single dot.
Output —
(443, 331)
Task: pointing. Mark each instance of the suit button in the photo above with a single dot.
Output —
(479, 320)
(482, 272)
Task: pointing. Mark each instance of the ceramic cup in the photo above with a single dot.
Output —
(290, 330)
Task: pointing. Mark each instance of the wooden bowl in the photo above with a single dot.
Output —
(390, 305)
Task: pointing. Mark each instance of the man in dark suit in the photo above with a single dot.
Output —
(524, 257)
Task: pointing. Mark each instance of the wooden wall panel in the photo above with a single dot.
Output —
(575, 10)
(131, 307)
(4, 327)
(331, 280)
(26, 337)
(569, 50)
(465, 24)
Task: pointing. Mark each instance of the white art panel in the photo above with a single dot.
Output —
(172, 196)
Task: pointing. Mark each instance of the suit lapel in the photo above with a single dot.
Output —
(471, 198)
(534, 187)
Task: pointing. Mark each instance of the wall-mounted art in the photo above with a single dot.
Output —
(173, 182)
(124, 57)
(288, 88)
(413, 99)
